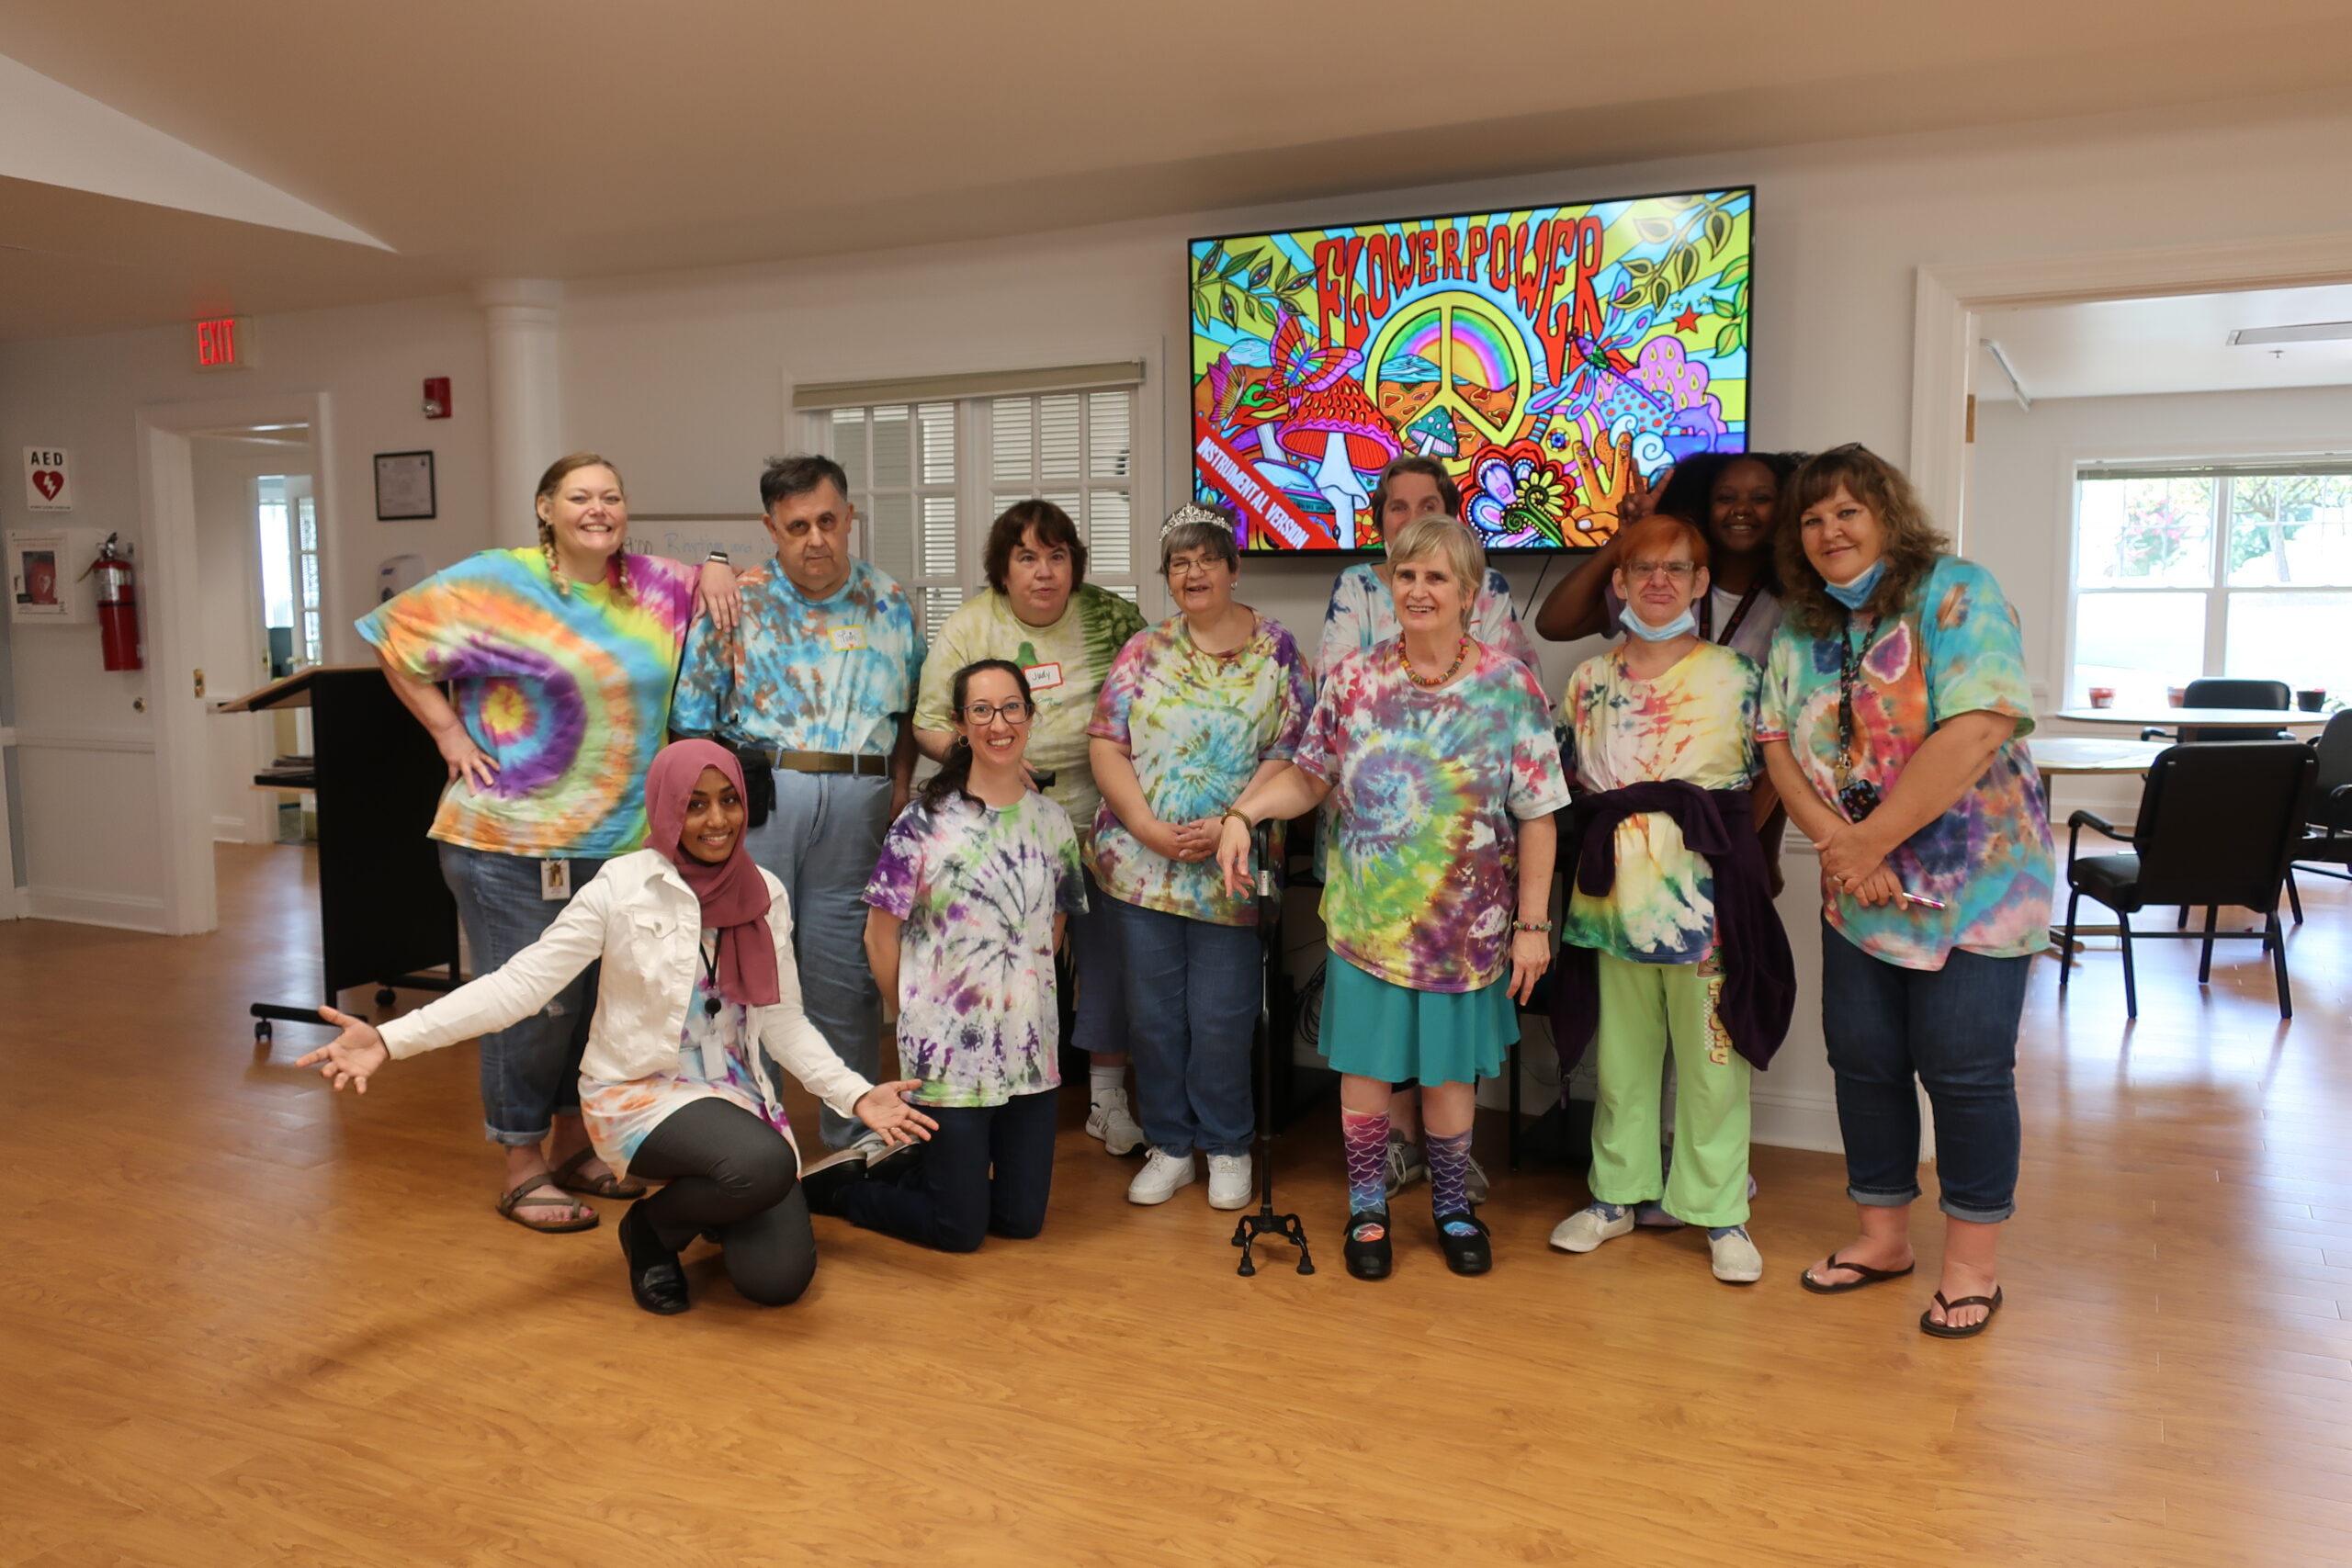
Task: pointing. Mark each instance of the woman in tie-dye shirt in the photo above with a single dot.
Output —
(1439, 751)
(1895, 715)
(560, 661)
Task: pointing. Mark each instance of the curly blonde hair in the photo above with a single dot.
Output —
(1912, 540)
(616, 569)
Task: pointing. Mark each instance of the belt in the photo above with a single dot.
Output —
(863, 765)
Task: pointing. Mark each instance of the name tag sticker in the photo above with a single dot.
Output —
(848, 639)
(555, 881)
(1044, 677)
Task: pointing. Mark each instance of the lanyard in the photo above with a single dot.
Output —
(1849, 668)
(711, 1003)
(1738, 614)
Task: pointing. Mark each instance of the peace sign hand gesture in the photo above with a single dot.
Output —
(1611, 497)
(351, 1057)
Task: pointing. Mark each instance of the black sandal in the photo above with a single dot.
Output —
(567, 1176)
(1368, 1253)
(1866, 1276)
(1945, 1330)
(519, 1196)
(1471, 1254)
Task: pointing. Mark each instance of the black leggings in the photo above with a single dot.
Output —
(732, 1174)
(953, 1201)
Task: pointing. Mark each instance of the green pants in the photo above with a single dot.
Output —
(1642, 1006)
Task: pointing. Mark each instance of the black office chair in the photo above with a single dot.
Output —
(2218, 823)
(2226, 693)
(2327, 837)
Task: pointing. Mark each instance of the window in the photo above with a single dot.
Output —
(929, 478)
(2238, 570)
(291, 597)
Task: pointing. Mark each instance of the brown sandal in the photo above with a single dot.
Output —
(520, 1197)
(567, 1176)
(1864, 1275)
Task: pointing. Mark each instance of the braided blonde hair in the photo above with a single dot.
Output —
(616, 569)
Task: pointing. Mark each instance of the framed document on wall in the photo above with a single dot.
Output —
(403, 486)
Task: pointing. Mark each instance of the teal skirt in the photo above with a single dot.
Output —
(1375, 1029)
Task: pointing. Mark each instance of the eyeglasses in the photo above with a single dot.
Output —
(979, 715)
(1679, 570)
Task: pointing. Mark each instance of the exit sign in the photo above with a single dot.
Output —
(225, 342)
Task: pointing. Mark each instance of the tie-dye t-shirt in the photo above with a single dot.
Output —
(1695, 722)
(1198, 725)
(570, 693)
(979, 887)
(1067, 663)
(1362, 613)
(827, 675)
(1955, 649)
(715, 1061)
(1423, 882)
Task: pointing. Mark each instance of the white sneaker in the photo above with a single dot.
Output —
(1230, 1182)
(1475, 1185)
(1736, 1262)
(1408, 1163)
(1590, 1227)
(1109, 1120)
(1161, 1174)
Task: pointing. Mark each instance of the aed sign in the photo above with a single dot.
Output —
(48, 479)
(224, 344)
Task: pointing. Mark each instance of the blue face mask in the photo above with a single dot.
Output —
(1857, 593)
(1682, 625)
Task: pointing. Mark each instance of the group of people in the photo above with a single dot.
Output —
(1793, 645)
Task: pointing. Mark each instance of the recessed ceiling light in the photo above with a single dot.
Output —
(2309, 331)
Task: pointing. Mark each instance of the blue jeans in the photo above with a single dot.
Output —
(1956, 1030)
(1095, 958)
(1192, 991)
(530, 1071)
(821, 842)
(988, 1170)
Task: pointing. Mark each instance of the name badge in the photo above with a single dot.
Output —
(1044, 677)
(555, 881)
(848, 639)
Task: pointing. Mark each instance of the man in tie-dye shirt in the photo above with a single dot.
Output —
(818, 682)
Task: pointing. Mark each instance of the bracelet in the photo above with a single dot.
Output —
(1541, 927)
(1238, 815)
(718, 555)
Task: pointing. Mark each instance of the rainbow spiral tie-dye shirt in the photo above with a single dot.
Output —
(568, 691)
(1955, 649)
(979, 887)
(1431, 787)
(1695, 723)
(1197, 726)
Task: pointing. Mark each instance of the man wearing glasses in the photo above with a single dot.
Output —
(813, 690)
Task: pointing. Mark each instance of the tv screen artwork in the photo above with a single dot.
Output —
(1541, 356)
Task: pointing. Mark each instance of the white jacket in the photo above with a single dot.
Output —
(641, 917)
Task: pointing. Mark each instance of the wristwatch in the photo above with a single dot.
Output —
(718, 555)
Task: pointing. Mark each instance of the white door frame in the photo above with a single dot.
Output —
(1949, 296)
(176, 627)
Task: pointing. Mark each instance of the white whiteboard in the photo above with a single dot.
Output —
(689, 537)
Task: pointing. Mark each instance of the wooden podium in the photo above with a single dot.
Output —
(384, 912)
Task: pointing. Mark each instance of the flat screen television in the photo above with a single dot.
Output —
(1540, 354)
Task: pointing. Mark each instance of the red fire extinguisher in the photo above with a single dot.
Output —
(118, 605)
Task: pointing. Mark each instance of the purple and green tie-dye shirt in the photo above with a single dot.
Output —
(1197, 726)
(1424, 878)
(1955, 649)
(979, 887)
(568, 691)
(828, 675)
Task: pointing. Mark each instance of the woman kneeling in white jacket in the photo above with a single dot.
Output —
(698, 974)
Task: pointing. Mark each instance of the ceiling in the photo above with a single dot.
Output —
(2174, 344)
(574, 137)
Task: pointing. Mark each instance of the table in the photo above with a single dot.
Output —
(2201, 718)
(2063, 754)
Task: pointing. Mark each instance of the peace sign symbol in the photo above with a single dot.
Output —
(1471, 329)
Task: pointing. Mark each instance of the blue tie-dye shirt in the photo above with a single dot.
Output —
(825, 675)
(1954, 649)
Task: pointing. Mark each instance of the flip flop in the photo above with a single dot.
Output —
(520, 1197)
(1990, 1304)
(567, 1176)
(1866, 1276)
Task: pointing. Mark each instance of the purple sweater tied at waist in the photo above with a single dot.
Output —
(1759, 989)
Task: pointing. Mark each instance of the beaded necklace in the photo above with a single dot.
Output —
(1406, 660)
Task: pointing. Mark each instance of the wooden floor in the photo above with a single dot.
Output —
(244, 1321)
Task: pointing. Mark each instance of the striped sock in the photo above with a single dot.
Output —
(1450, 1177)
(1366, 1138)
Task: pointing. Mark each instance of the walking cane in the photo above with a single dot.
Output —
(1265, 1222)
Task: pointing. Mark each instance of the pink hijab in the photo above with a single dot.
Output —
(734, 895)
